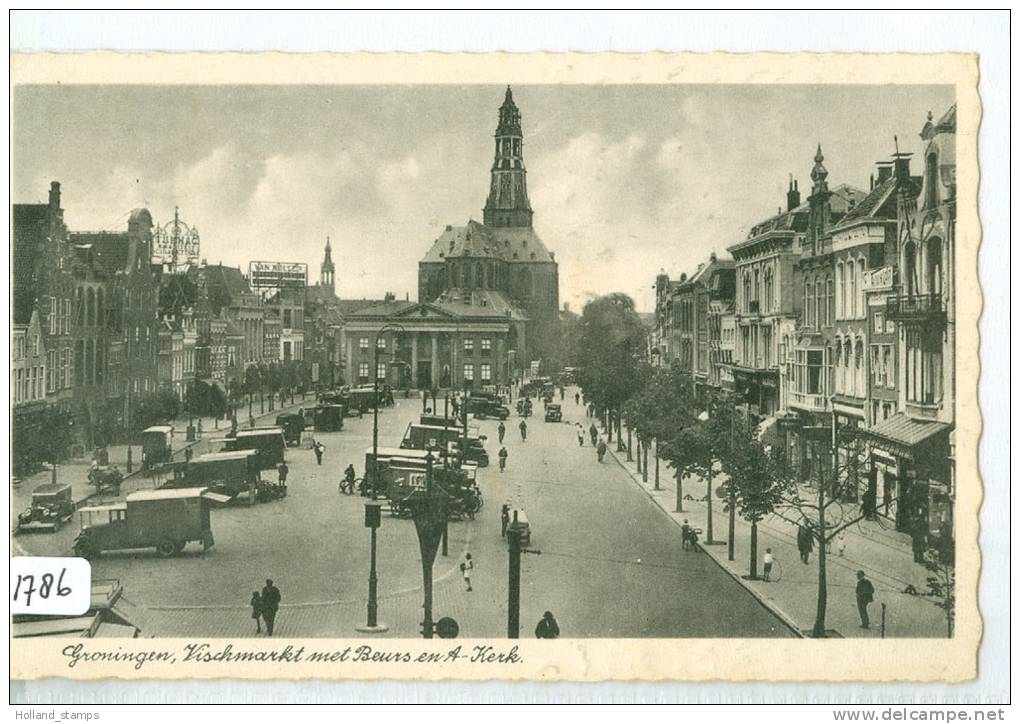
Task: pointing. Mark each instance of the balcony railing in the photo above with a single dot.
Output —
(808, 401)
(915, 307)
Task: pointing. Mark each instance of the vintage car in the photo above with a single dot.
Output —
(484, 407)
(433, 437)
(292, 424)
(157, 445)
(267, 442)
(329, 417)
(553, 413)
(166, 519)
(52, 506)
(227, 476)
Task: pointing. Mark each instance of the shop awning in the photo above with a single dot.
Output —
(903, 435)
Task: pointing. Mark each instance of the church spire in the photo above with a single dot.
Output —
(326, 274)
(508, 204)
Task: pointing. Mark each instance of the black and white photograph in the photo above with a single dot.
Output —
(506, 359)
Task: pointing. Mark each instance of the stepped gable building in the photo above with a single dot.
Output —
(500, 263)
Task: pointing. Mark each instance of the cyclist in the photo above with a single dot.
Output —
(347, 483)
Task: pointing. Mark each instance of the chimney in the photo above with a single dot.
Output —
(54, 195)
(902, 166)
(871, 187)
(884, 171)
(792, 195)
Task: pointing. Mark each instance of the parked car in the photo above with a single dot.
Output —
(52, 506)
(166, 520)
(268, 442)
(292, 424)
(157, 445)
(329, 417)
(483, 407)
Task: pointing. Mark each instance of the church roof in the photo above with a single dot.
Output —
(511, 243)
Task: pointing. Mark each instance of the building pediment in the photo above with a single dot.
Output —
(423, 311)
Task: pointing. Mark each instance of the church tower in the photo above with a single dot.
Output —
(326, 271)
(508, 204)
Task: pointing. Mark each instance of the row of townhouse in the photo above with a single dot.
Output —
(834, 322)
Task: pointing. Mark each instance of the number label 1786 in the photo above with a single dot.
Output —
(50, 586)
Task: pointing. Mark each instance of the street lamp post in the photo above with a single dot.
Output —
(373, 519)
(429, 517)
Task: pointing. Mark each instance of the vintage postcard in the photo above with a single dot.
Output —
(549, 367)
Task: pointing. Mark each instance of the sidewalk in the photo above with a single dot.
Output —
(75, 471)
(884, 555)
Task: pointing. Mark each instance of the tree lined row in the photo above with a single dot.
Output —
(706, 437)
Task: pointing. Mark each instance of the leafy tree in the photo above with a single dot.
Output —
(611, 347)
(756, 485)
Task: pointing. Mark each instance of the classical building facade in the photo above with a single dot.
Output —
(433, 345)
(501, 259)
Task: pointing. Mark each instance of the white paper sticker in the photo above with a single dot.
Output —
(50, 586)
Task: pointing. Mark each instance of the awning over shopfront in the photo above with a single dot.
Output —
(905, 436)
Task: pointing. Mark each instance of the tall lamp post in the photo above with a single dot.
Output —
(373, 518)
(392, 327)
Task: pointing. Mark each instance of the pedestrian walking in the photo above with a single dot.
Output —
(600, 450)
(767, 562)
(840, 545)
(188, 453)
(547, 627)
(502, 459)
(456, 407)
(805, 542)
(524, 431)
(501, 431)
(270, 605)
(580, 434)
(685, 535)
(577, 398)
(281, 471)
(504, 519)
(466, 566)
(562, 393)
(865, 595)
(318, 448)
(256, 610)
(594, 433)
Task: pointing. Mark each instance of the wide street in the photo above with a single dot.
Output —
(610, 562)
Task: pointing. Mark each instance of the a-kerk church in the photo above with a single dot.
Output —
(488, 293)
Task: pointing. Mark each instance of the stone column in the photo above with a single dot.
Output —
(414, 360)
(435, 359)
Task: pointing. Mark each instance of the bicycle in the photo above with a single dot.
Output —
(348, 487)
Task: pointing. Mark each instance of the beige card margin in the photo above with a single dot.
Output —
(602, 659)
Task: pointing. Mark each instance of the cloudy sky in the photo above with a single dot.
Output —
(624, 180)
